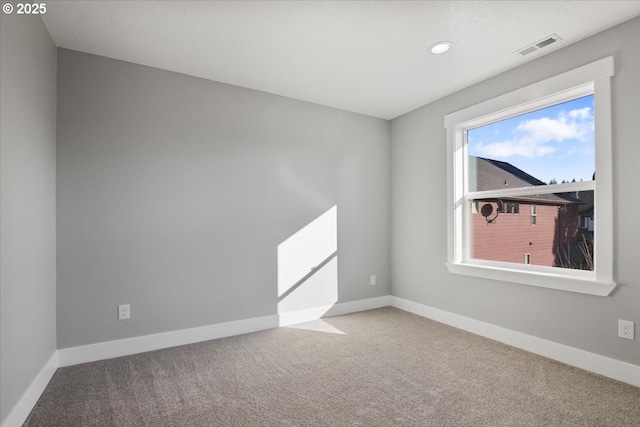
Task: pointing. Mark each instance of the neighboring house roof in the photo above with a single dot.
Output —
(586, 199)
(489, 174)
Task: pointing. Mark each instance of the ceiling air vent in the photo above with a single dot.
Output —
(546, 42)
(539, 44)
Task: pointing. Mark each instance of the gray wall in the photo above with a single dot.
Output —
(174, 193)
(27, 205)
(419, 242)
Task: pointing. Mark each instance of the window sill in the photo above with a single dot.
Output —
(544, 280)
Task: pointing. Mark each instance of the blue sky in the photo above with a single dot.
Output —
(553, 143)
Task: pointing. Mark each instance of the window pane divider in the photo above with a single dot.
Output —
(533, 190)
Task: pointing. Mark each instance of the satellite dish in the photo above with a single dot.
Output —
(486, 210)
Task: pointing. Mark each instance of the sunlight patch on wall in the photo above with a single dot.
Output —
(308, 265)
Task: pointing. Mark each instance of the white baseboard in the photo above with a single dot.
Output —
(306, 315)
(106, 350)
(124, 347)
(359, 305)
(22, 409)
(612, 368)
(315, 313)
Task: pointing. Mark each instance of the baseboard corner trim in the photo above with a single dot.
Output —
(596, 363)
(22, 409)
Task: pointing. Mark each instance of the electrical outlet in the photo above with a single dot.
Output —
(124, 312)
(626, 329)
(372, 280)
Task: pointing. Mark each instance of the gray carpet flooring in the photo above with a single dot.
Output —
(382, 367)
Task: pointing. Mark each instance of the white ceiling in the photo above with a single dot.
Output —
(371, 57)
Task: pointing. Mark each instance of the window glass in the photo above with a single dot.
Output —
(559, 238)
(552, 145)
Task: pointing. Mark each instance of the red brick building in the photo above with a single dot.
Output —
(549, 230)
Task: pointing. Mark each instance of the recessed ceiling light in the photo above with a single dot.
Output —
(440, 48)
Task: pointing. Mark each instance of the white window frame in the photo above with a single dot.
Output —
(591, 78)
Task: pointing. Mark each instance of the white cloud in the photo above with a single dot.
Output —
(583, 113)
(503, 149)
(536, 137)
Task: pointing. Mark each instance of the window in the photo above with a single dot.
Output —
(508, 207)
(534, 214)
(537, 147)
